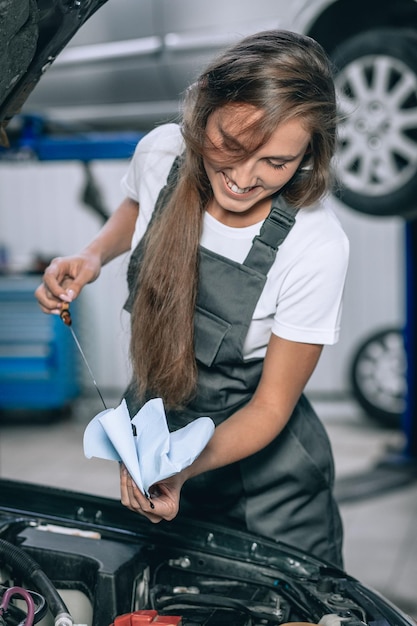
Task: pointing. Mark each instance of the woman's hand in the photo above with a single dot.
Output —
(64, 278)
(164, 497)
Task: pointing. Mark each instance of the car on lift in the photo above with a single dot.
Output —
(128, 66)
(76, 559)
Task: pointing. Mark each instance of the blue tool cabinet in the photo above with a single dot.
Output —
(38, 356)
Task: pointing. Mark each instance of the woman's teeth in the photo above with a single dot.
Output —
(233, 187)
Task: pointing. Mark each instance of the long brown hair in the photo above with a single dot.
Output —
(282, 74)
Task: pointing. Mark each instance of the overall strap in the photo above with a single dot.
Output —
(273, 231)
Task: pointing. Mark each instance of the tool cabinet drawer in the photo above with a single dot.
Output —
(38, 357)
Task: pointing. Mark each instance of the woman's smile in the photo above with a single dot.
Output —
(234, 187)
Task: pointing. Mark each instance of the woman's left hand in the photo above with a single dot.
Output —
(163, 503)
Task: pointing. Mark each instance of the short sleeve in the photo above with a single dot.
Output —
(310, 303)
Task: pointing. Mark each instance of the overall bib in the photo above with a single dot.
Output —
(283, 492)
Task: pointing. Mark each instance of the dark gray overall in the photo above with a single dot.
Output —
(283, 492)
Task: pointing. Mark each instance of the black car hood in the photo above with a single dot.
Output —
(32, 34)
(209, 574)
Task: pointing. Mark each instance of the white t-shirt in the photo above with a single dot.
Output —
(302, 297)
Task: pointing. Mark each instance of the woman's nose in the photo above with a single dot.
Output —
(243, 175)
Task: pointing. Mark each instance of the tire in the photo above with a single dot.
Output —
(376, 84)
(379, 377)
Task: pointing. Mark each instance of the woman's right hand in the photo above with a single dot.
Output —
(64, 279)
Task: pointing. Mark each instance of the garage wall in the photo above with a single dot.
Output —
(374, 294)
(41, 212)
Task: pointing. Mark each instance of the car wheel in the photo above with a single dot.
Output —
(376, 83)
(379, 376)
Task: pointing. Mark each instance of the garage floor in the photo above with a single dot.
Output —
(378, 499)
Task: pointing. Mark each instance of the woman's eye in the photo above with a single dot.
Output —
(276, 166)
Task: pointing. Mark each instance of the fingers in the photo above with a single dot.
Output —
(63, 280)
(56, 286)
(132, 498)
(48, 302)
(162, 505)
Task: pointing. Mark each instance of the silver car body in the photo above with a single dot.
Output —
(129, 64)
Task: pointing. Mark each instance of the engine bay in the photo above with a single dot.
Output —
(89, 562)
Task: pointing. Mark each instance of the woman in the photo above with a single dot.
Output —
(223, 322)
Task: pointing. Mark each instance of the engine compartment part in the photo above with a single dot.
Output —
(98, 564)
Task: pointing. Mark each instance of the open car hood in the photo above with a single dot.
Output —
(32, 34)
(110, 562)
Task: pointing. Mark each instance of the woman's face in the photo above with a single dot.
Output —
(242, 188)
